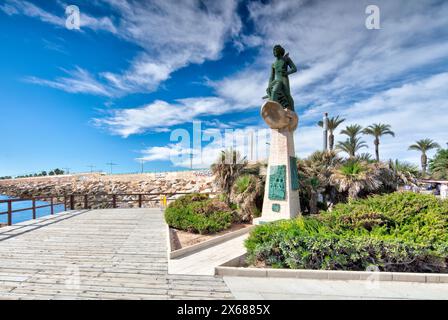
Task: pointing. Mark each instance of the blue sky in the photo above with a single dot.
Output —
(136, 71)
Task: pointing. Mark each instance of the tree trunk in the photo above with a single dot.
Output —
(377, 151)
(331, 140)
(424, 160)
(313, 202)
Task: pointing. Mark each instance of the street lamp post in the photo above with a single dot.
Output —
(325, 131)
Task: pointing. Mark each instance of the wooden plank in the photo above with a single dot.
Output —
(96, 254)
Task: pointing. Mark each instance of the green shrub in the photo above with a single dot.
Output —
(199, 214)
(397, 232)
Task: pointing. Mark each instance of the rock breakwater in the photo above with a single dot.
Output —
(98, 186)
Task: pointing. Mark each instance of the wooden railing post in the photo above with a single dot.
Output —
(65, 203)
(34, 208)
(9, 213)
(72, 202)
(52, 206)
(86, 202)
(114, 201)
(140, 200)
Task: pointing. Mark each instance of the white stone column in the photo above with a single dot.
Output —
(281, 159)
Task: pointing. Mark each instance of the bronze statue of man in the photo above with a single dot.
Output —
(278, 89)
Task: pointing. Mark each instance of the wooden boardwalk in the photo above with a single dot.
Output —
(96, 254)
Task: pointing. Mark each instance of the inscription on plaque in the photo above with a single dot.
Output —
(294, 173)
(277, 183)
(275, 207)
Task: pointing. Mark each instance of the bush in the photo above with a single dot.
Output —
(199, 214)
(397, 232)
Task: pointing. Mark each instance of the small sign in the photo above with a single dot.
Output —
(275, 207)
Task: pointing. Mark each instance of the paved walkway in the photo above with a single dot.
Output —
(205, 261)
(96, 254)
(307, 289)
(122, 254)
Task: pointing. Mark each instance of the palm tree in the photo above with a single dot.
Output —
(439, 164)
(423, 146)
(315, 172)
(353, 143)
(377, 130)
(333, 123)
(404, 173)
(365, 156)
(227, 169)
(352, 131)
(355, 177)
(351, 146)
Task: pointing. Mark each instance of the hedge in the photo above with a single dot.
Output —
(198, 213)
(403, 232)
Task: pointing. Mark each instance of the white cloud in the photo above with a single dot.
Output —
(171, 35)
(415, 111)
(163, 115)
(76, 81)
(206, 153)
(13, 7)
(336, 55)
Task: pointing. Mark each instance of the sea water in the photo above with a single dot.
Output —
(28, 214)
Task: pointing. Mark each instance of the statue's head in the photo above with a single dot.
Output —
(278, 51)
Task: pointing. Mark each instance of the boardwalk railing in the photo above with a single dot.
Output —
(52, 202)
(85, 201)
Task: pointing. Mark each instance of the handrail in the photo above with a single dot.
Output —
(34, 207)
(70, 201)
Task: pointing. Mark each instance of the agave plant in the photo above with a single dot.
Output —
(424, 146)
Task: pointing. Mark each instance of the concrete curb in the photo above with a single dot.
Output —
(205, 244)
(231, 269)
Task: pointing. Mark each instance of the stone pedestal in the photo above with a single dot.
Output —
(281, 195)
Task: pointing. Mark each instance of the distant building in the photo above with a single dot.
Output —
(438, 187)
